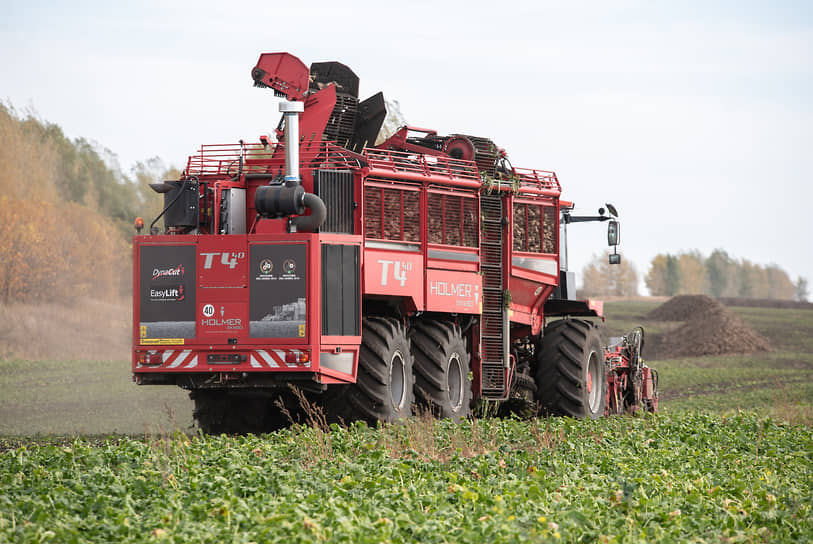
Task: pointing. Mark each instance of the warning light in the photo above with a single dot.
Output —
(139, 224)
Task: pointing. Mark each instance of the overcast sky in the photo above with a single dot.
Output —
(694, 118)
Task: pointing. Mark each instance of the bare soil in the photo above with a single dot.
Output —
(708, 328)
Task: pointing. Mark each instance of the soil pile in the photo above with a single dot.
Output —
(709, 328)
(684, 307)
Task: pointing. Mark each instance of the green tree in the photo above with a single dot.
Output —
(800, 290)
(718, 271)
(671, 280)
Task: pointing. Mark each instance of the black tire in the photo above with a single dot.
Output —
(234, 412)
(442, 365)
(570, 375)
(383, 388)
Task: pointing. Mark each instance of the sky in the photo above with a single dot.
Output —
(694, 118)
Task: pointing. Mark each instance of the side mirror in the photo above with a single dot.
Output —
(615, 258)
(613, 233)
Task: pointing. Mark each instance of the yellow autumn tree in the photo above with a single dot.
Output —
(53, 246)
(599, 278)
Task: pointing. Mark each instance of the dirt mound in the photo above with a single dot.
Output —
(684, 307)
(713, 333)
(709, 328)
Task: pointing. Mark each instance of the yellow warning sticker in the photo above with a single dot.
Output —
(302, 331)
(162, 341)
(143, 331)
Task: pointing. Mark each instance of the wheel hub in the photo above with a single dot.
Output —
(593, 379)
(456, 380)
(398, 380)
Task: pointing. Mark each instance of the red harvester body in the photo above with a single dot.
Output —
(420, 269)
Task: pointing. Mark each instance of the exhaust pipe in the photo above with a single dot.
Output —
(291, 110)
(291, 198)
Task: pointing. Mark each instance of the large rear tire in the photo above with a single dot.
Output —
(383, 388)
(442, 365)
(570, 375)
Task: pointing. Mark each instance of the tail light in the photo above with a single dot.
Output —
(151, 358)
(297, 358)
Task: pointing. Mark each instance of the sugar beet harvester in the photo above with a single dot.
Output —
(373, 271)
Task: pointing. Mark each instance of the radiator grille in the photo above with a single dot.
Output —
(340, 290)
(335, 188)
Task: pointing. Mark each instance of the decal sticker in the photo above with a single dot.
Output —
(166, 280)
(229, 259)
(399, 270)
(162, 341)
(278, 291)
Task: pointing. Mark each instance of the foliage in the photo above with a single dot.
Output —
(800, 291)
(616, 480)
(65, 216)
(700, 471)
(56, 253)
(717, 275)
(601, 278)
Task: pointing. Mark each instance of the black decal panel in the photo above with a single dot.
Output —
(278, 287)
(167, 292)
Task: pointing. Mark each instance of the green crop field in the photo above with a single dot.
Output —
(677, 478)
(87, 456)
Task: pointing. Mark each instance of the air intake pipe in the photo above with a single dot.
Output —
(290, 198)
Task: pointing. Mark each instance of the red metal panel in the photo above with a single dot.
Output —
(222, 261)
(454, 292)
(394, 273)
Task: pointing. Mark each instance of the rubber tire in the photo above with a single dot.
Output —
(383, 342)
(442, 368)
(225, 412)
(562, 366)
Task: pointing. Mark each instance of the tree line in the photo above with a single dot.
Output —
(66, 213)
(689, 272)
(721, 275)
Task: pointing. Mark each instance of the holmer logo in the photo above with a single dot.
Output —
(460, 290)
(176, 272)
